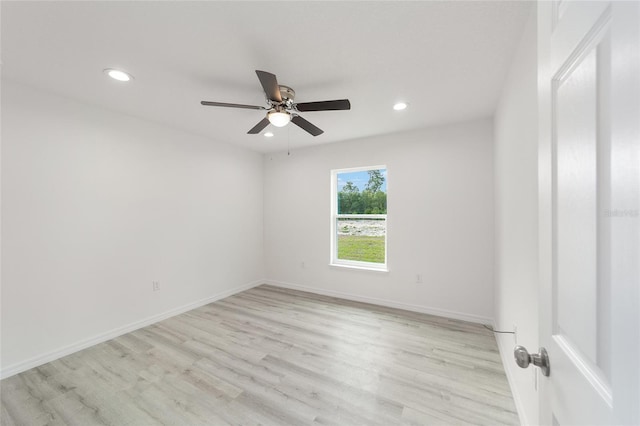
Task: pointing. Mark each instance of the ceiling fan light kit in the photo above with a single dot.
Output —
(279, 118)
(282, 108)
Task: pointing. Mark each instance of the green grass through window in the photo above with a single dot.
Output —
(361, 248)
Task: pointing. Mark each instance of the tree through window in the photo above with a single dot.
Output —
(359, 217)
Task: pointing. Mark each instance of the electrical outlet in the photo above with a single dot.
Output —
(418, 278)
(156, 285)
(515, 334)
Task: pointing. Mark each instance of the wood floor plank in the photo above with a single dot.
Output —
(274, 356)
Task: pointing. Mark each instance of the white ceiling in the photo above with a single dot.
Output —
(446, 59)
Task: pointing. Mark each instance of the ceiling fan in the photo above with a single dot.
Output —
(282, 108)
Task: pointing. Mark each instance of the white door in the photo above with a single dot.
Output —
(589, 186)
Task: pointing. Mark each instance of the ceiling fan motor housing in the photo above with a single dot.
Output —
(287, 93)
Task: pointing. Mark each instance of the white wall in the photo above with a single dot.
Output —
(440, 220)
(516, 220)
(96, 205)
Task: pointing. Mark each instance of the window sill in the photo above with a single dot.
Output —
(383, 270)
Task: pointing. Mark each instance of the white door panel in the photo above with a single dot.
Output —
(589, 211)
(573, 25)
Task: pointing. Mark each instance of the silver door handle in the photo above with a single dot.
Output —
(541, 359)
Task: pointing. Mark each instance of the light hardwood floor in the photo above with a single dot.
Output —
(274, 356)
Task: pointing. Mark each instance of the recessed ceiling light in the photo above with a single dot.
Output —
(268, 135)
(400, 106)
(118, 75)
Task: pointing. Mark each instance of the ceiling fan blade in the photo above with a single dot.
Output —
(337, 105)
(305, 125)
(270, 85)
(223, 104)
(258, 127)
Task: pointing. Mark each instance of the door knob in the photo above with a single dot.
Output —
(541, 359)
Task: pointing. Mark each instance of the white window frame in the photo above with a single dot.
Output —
(334, 261)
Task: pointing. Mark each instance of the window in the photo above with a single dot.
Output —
(359, 217)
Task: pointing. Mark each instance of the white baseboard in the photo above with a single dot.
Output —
(103, 337)
(384, 302)
(506, 354)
